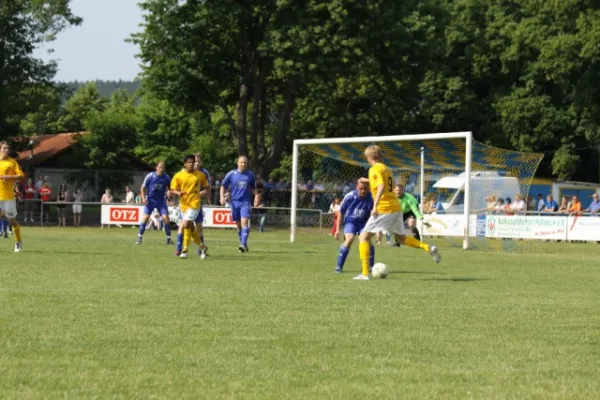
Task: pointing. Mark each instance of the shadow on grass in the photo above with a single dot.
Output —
(457, 279)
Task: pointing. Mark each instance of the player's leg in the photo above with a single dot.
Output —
(164, 213)
(364, 249)
(412, 225)
(148, 208)
(180, 228)
(349, 234)
(245, 214)
(398, 229)
(9, 210)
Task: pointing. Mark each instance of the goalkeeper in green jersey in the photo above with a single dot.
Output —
(410, 210)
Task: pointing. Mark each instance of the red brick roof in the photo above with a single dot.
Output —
(46, 147)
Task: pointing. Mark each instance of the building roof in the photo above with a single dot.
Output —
(47, 147)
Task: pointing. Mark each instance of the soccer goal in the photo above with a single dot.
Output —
(452, 176)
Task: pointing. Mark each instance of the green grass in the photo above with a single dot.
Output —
(87, 314)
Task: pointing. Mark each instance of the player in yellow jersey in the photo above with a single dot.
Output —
(386, 214)
(10, 172)
(187, 184)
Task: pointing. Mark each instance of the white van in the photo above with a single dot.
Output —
(449, 190)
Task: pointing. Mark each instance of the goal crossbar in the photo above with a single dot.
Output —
(468, 136)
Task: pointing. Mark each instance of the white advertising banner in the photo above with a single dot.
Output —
(583, 228)
(449, 225)
(116, 214)
(526, 227)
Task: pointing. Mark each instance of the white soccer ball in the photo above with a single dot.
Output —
(380, 270)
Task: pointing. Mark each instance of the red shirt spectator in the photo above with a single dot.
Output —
(30, 190)
(45, 192)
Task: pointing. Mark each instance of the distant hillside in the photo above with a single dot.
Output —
(106, 88)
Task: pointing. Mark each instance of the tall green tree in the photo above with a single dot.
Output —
(24, 25)
(79, 107)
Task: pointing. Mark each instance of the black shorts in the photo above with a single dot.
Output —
(408, 215)
(61, 206)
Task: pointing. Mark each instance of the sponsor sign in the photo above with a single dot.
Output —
(526, 227)
(132, 215)
(480, 227)
(583, 228)
(449, 225)
(218, 218)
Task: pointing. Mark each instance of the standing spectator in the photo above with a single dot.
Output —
(262, 213)
(40, 183)
(551, 206)
(541, 204)
(107, 198)
(77, 207)
(518, 206)
(129, 196)
(564, 205)
(62, 198)
(45, 195)
(594, 207)
(335, 207)
(30, 192)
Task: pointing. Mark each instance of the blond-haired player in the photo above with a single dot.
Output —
(10, 172)
(386, 214)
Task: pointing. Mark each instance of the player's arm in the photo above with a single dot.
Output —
(16, 175)
(143, 188)
(224, 187)
(175, 187)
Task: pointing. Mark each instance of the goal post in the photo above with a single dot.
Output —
(467, 136)
(451, 174)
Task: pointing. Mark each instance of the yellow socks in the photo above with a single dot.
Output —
(412, 242)
(364, 249)
(17, 232)
(186, 239)
(196, 237)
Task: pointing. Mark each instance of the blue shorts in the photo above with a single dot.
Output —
(200, 217)
(354, 228)
(161, 207)
(241, 210)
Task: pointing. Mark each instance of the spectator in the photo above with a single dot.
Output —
(551, 206)
(531, 203)
(500, 206)
(508, 206)
(491, 204)
(155, 221)
(62, 198)
(129, 196)
(334, 208)
(575, 208)
(77, 207)
(138, 199)
(227, 198)
(434, 206)
(30, 192)
(262, 213)
(45, 195)
(40, 183)
(541, 204)
(594, 207)
(518, 206)
(564, 206)
(107, 198)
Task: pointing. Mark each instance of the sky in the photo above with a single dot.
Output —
(96, 49)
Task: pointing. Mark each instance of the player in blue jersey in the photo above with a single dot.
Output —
(241, 184)
(355, 211)
(154, 195)
(205, 194)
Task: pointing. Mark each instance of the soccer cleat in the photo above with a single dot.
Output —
(338, 270)
(434, 252)
(169, 241)
(138, 241)
(18, 247)
(177, 253)
(243, 249)
(5, 234)
(361, 277)
(183, 255)
(204, 252)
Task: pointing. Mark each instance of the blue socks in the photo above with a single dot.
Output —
(167, 230)
(179, 242)
(342, 255)
(372, 257)
(142, 230)
(244, 236)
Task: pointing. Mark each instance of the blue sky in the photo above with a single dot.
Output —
(96, 49)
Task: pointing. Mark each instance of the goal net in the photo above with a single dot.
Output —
(435, 168)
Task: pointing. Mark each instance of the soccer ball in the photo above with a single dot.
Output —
(380, 270)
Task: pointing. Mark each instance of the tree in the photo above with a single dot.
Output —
(26, 24)
(79, 107)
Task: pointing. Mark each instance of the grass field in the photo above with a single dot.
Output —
(87, 314)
